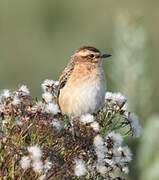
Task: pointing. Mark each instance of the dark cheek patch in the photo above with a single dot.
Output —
(97, 56)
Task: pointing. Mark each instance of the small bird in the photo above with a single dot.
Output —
(82, 85)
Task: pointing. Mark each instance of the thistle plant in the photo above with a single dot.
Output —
(36, 140)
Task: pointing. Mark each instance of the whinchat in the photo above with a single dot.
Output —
(82, 85)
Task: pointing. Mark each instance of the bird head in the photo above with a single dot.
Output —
(89, 54)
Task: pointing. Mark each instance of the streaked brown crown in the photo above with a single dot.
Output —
(89, 48)
(87, 54)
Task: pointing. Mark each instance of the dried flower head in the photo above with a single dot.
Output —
(25, 162)
(86, 118)
(135, 126)
(47, 96)
(6, 93)
(47, 144)
(37, 166)
(23, 90)
(52, 108)
(35, 152)
(80, 168)
(49, 85)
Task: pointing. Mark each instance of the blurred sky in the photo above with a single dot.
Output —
(37, 37)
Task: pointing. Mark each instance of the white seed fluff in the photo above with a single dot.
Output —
(48, 83)
(100, 148)
(24, 90)
(35, 152)
(37, 166)
(109, 161)
(101, 168)
(39, 106)
(56, 83)
(116, 97)
(16, 101)
(87, 118)
(136, 128)
(98, 141)
(95, 126)
(116, 138)
(125, 170)
(57, 124)
(80, 168)
(6, 93)
(52, 108)
(25, 162)
(126, 154)
(47, 165)
(122, 155)
(119, 98)
(109, 95)
(47, 96)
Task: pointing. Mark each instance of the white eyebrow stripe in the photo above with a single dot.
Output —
(85, 53)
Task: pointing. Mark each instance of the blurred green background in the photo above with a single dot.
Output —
(37, 38)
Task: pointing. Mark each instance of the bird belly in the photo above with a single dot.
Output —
(83, 97)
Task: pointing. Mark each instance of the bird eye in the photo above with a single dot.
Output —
(91, 55)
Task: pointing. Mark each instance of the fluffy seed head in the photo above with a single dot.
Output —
(6, 93)
(47, 96)
(52, 108)
(134, 121)
(80, 168)
(24, 90)
(86, 118)
(25, 162)
(37, 166)
(35, 152)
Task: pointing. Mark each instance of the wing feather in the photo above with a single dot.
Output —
(65, 76)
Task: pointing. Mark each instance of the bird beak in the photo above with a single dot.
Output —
(105, 55)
